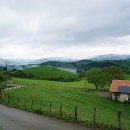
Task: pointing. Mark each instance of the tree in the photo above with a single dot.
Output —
(2, 78)
(19, 74)
(113, 72)
(97, 77)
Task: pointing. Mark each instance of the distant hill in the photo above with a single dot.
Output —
(80, 65)
(125, 64)
(40, 61)
(111, 57)
(101, 61)
(14, 63)
(49, 73)
(2, 62)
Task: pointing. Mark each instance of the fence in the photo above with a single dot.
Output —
(58, 111)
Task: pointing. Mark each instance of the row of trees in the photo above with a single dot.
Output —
(102, 77)
(2, 74)
(21, 74)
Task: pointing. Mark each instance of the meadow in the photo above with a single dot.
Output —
(63, 97)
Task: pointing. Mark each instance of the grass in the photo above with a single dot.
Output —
(69, 94)
(77, 84)
(50, 73)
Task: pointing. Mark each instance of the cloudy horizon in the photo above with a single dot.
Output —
(69, 29)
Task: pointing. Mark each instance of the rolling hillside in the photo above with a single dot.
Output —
(69, 94)
(49, 73)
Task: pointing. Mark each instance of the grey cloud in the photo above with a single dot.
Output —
(63, 23)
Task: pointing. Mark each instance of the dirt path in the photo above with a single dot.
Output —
(14, 119)
(14, 86)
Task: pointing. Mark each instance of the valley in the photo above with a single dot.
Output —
(54, 89)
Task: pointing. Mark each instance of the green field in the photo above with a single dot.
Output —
(49, 73)
(69, 94)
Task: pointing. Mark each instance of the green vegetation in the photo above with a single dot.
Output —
(49, 73)
(123, 64)
(2, 68)
(2, 74)
(127, 76)
(64, 96)
(113, 72)
(69, 94)
(82, 84)
(102, 77)
(97, 77)
(20, 74)
(2, 77)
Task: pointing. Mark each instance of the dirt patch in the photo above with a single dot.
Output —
(103, 93)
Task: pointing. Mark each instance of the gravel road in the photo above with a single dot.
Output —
(14, 119)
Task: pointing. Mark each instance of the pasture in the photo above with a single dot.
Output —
(39, 95)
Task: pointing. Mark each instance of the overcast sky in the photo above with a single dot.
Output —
(64, 28)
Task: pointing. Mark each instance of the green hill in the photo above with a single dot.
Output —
(49, 73)
(69, 94)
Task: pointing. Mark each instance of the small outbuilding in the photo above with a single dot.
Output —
(120, 90)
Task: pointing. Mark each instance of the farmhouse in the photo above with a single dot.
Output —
(120, 90)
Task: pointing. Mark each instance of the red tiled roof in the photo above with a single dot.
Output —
(116, 83)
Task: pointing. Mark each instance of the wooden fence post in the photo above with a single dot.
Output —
(32, 104)
(18, 101)
(25, 103)
(41, 106)
(119, 120)
(9, 99)
(61, 110)
(94, 116)
(76, 117)
(50, 108)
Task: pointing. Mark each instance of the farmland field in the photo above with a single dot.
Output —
(69, 94)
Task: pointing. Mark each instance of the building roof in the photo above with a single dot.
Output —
(122, 86)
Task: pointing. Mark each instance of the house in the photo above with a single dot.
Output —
(120, 90)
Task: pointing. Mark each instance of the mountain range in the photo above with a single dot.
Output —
(97, 61)
(111, 57)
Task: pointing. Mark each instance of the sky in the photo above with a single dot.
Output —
(33, 29)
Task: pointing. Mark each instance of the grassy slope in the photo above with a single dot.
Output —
(49, 73)
(64, 93)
